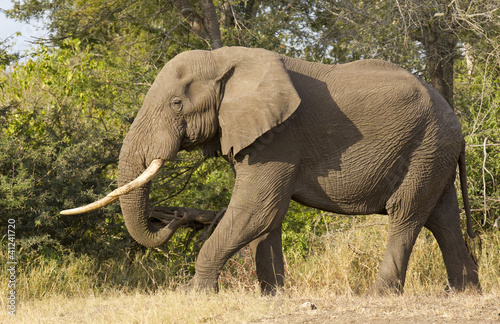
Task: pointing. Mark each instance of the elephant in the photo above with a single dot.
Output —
(360, 138)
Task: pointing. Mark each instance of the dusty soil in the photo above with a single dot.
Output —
(405, 309)
(248, 307)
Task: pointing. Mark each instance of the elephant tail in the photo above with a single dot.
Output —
(465, 195)
(474, 248)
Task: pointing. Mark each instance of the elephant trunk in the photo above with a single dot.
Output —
(134, 199)
(137, 211)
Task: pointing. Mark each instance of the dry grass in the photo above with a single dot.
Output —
(162, 307)
(347, 261)
(243, 306)
(341, 267)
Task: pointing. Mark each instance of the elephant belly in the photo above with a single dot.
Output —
(358, 186)
(341, 203)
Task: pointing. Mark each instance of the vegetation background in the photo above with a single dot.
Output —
(66, 104)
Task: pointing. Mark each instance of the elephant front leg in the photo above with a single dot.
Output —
(268, 256)
(258, 205)
(238, 228)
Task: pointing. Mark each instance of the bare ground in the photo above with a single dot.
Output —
(249, 307)
(404, 309)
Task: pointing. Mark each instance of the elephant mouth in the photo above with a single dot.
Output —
(188, 144)
(141, 180)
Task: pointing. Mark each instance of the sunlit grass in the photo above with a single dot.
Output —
(342, 265)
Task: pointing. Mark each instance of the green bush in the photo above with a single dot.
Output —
(56, 150)
(478, 105)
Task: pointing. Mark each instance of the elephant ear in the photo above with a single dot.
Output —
(258, 95)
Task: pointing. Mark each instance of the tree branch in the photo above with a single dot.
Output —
(194, 218)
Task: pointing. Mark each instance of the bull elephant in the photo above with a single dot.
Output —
(366, 137)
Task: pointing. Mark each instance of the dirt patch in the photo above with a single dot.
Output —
(394, 309)
(250, 307)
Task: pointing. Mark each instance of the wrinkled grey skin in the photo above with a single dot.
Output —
(360, 138)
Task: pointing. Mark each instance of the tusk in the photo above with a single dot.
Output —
(90, 207)
(144, 178)
(141, 180)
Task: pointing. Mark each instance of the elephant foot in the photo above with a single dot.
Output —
(383, 288)
(197, 284)
(269, 290)
(471, 288)
(465, 281)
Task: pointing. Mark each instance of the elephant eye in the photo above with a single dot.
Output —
(177, 103)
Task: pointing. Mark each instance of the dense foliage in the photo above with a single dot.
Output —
(66, 105)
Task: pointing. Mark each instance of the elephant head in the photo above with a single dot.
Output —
(221, 100)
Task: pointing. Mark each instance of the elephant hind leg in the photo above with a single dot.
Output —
(408, 210)
(268, 256)
(402, 235)
(444, 223)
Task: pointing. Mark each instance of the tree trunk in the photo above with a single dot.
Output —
(206, 27)
(211, 23)
(440, 49)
